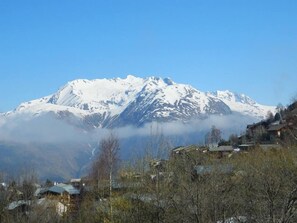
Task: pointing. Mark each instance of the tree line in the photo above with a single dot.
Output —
(261, 187)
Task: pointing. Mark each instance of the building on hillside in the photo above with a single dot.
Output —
(191, 149)
(77, 183)
(50, 204)
(66, 194)
(19, 210)
(276, 130)
(256, 130)
(222, 150)
(246, 147)
(24, 208)
(20, 206)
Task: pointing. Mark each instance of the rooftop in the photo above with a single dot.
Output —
(276, 127)
(61, 188)
(221, 149)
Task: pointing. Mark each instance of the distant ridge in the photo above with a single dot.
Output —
(135, 101)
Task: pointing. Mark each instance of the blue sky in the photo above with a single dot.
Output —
(246, 46)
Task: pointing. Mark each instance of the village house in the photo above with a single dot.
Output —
(276, 130)
(187, 150)
(256, 130)
(66, 197)
(246, 147)
(266, 132)
(222, 150)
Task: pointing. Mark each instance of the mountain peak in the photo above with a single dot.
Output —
(132, 77)
(135, 100)
(243, 104)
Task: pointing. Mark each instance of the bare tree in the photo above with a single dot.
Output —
(106, 163)
(267, 188)
(214, 136)
(233, 139)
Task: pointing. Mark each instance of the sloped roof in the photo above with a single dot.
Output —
(221, 149)
(61, 188)
(16, 204)
(78, 180)
(40, 191)
(189, 148)
(49, 203)
(276, 127)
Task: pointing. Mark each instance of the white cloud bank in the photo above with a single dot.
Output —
(47, 129)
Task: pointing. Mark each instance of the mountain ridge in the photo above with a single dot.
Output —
(135, 101)
(59, 133)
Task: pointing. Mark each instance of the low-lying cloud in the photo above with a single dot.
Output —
(44, 128)
(234, 123)
(63, 148)
(48, 129)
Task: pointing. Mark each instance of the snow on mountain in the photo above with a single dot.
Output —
(101, 95)
(243, 104)
(58, 129)
(163, 100)
(136, 101)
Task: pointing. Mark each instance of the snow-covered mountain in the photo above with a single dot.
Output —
(243, 104)
(136, 101)
(59, 133)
